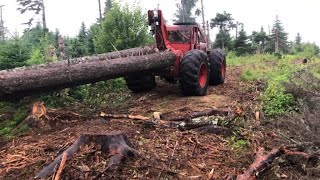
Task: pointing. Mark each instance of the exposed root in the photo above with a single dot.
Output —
(116, 145)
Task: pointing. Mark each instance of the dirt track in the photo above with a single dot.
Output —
(168, 153)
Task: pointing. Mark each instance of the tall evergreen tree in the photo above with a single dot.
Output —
(14, 53)
(259, 40)
(241, 44)
(223, 40)
(224, 22)
(94, 29)
(185, 12)
(298, 43)
(278, 38)
(35, 6)
(83, 40)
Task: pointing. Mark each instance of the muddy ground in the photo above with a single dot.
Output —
(167, 153)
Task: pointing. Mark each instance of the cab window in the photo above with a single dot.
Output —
(179, 36)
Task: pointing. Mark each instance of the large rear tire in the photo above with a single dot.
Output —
(217, 60)
(141, 82)
(194, 73)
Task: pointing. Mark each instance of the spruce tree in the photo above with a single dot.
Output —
(278, 38)
(223, 40)
(297, 43)
(259, 40)
(241, 45)
(83, 40)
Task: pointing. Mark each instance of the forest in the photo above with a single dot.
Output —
(262, 123)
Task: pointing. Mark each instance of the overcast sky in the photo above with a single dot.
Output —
(296, 15)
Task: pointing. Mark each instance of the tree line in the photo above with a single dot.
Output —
(243, 43)
(121, 27)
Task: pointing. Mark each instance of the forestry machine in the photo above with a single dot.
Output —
(181, 54)
(195, 65)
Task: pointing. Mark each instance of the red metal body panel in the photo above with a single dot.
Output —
(195, 39)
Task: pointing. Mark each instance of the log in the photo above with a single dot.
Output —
(59, 75)
(116, 145)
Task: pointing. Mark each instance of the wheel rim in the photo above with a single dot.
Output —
(223, 70)
(203, 75)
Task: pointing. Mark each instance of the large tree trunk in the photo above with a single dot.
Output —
(52, 76)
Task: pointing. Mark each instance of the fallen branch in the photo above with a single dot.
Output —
(61, 167)
(116, 145)
(260, 163)
(119, 116)
(208, 112)
(263, 162)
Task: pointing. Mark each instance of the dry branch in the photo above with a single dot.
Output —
(61, 167)
(127, 116)
(116, 145)
(263, 162)
(208, 112)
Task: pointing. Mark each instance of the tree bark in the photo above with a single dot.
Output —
(53, 76)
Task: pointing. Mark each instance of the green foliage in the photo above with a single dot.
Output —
(258, 61)
(238, 143)
(16, 114)
(94, 29)
(309, 50)
(276, 101)
(42, 43)
(276, 72)
(259, 40)
(83, 41)
(223, 40)
(37, 57)
(251, 75)
(13, 53)
(184, 11)
(123, 27)
(297, 47)
(223, 21)
(241, 44)
(278, 33)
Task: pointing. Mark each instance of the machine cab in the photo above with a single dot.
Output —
(186, 36)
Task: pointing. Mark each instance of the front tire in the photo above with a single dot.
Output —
(194, 73)
(217, 60)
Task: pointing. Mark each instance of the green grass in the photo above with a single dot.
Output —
(15, 115)
(275, 71)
